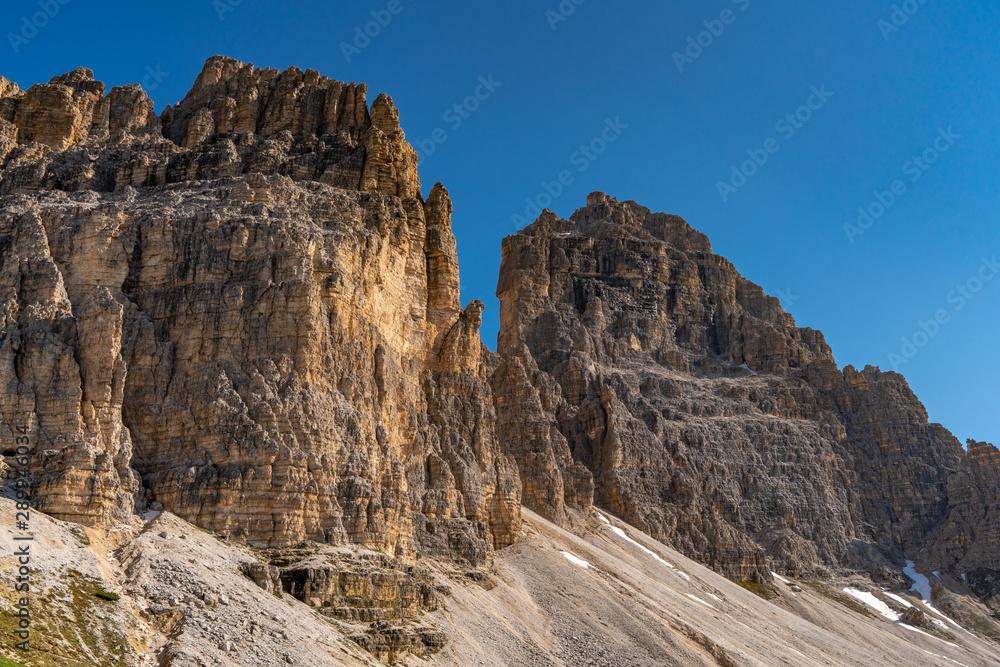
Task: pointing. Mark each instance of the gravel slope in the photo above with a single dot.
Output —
(606, 595)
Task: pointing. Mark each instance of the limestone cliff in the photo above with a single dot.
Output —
(706, 418)
(243, 310)
(246, 310)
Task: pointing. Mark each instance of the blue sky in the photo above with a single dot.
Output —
(925, 88)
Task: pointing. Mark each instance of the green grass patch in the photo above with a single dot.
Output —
(760, 590)
(65, 627)
(7, 662)
(105, 595)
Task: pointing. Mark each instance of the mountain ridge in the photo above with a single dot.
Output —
(245, 311)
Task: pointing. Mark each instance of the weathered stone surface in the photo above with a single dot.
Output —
(391, 643)
(914, 616)
(62, 371)
(267, 577)
(706, 417)
(985, 583)
(361, 590)
(235, 120)
(277, 350)
(970, 538)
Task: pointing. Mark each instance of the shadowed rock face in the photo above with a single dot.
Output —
(275, 350)
(969, 541)
(703, 415)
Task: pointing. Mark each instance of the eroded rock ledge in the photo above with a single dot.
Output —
(68, 135)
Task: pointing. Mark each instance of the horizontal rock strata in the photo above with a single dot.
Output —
(361, 590)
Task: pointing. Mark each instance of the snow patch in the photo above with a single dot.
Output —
(712, 595)
(874, 603)
(782, 579)
(621, 533)
(946, 658)
(576, 560)
(922, 585)
(884, 609)
(698, 599)
(910, 627)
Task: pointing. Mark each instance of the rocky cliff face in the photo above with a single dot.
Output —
(246, 310)
(68, 135)
(969, 541)
(243, 310)
(706, 418)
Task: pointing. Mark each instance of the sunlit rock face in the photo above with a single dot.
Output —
(243, 310)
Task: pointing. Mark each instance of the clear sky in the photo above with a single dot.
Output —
(904, 110)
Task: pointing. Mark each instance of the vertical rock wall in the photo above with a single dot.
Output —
(251, 317)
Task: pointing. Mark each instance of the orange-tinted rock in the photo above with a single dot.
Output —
(277, 351)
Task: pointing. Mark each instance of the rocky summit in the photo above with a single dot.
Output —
(244, 312)
(694, 408)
